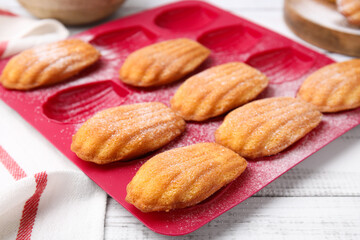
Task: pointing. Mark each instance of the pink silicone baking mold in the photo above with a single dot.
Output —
(58, 111)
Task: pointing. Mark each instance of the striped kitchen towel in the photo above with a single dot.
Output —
(43, 195)
(61, 204)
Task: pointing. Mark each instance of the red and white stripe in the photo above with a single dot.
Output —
(7, 13)
(12, 167)
(30, 209)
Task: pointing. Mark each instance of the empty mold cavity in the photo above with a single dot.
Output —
(185, 18)
(77, 104)
(125, 39)
(282, 65)
(236, 38)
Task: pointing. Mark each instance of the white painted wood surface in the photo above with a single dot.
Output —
(318, 199)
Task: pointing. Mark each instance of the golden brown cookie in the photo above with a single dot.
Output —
(183, 177)
(48, 64)
(162, 62)
(218, 90)
(333, 88)
(126, 132)
(350, 9)
(268, 126)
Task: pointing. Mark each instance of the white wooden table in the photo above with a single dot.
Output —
(318, 199)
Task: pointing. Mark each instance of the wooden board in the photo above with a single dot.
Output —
(318, 22)
(270, 218)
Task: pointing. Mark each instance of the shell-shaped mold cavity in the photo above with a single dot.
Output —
(268, 126)
(125, 132)
(217, 90)
(125, 39)
(183, 177)
(185, 18)
(282, 65)
(236, 38)
(76, 104)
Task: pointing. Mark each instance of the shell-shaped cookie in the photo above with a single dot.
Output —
(268, 126)
(163, 62)
(333, 88)
(350, 9)
(126, 132)
(183, 177)
(48, 64)
(218, 90)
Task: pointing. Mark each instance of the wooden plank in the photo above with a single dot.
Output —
(259, 218)
(309, 182)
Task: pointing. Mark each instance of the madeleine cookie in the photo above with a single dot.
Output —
(218, 90)
(333, 88)
(163, 62)
(126, 132)
(48, 64)
(268, 126)
(350, 9)
(183, 177)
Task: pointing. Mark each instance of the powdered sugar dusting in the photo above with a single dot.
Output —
(113, 178)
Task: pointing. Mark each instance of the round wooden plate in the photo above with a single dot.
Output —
(318, 22)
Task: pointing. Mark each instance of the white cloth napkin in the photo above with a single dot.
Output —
(42, 194)
(19, 33)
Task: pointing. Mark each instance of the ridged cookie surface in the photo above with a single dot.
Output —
(183, 177)
(333, 88)
(350, 9)
(48, 64)
(218, 90)
(162, 62)
(126, 132)
(268, 126)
